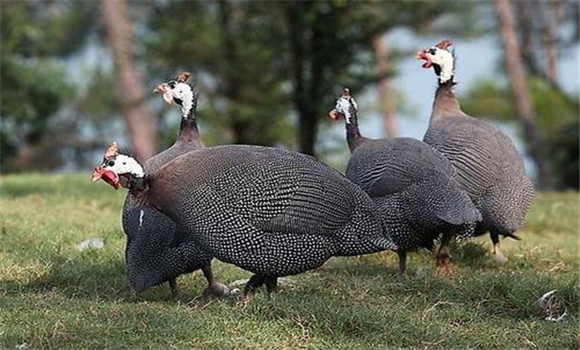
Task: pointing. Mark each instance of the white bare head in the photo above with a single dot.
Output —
(345, 106)
(178, 91)
(118, 169)
(441, 59)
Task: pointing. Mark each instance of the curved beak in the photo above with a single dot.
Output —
(106, 175)
(97, 174)
(422, 55)
(333, 115)
(160, 89)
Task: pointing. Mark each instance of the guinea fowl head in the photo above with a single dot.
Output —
(345, 106)
(440, 58)
(178, 91)
(118, 169)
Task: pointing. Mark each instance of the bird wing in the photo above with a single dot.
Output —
(388, 166)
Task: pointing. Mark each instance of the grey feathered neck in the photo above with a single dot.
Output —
(188, 131)
(353, 135)
(445, 102)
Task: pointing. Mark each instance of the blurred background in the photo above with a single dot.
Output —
(76, 75)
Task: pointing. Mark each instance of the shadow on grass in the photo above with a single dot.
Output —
(93, 277)
(334, 290)
(76, 277)
(478, 283)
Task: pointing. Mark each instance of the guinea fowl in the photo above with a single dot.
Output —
(266, 210)
(157, 249)
(488, 165)
(411, 184)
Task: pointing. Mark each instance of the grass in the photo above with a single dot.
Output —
(54, 296)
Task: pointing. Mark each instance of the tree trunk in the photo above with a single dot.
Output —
(522, 99)
(526, 17)
(306, 122)
(140, 123)
(386, 98)
(552, 15)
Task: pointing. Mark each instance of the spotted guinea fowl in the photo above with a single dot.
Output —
(411, 183)
(266, 210)
(157, 249)
(488, 165)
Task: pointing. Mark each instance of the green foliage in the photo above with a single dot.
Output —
(265, 61)
(227, 45)
(45, 29)
(32, 93)
(54, 296)
(556, 115)
(34, 86)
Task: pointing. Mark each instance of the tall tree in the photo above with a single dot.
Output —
(552, 16)
(331, 45)
(245, 100)
(545, 29)
(384, 88)
(36, 36)
(524, 107)
(267, 61)
(140, 122)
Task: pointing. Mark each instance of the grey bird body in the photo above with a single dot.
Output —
(266, 210)
(152, 236)
(412, 185)
(488, 166)
(158, 250)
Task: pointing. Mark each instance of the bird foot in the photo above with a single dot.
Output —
(216, 289)
(402, 275)
(443, 266)
(245, 300)
(445, 270)
(499, 258)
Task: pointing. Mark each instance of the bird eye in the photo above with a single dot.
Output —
(172, 84)
(111, 163)
(432, 51)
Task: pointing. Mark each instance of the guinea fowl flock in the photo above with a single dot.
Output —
(277, 213)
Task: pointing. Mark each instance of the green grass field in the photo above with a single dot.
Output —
(54, 296)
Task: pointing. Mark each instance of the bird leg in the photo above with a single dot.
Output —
(497, 255)
(255, 282)
(443, 257)
(213, 288)
(271, 286)
(402, 262)
(174, 290)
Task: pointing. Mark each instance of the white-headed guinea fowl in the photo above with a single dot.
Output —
(411, 183)
(157, 249)
(266, 210)
(488, 165)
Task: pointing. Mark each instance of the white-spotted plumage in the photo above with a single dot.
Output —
(412, 186)
(266, 210)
